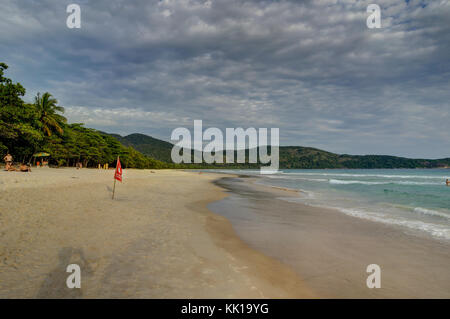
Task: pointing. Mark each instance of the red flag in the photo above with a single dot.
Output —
(118, 173)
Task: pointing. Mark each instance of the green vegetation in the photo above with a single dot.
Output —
(29, 128)
(147, 145)
(48, 116)
(307, 157)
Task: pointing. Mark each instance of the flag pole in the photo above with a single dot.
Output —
(114, 188)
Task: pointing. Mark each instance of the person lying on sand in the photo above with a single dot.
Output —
(9, 167)
(24, 168)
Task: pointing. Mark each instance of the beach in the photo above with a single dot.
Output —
(156, 239)
(331, 250)
(187, 234)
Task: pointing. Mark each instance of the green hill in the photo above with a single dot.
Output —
(147, 145)
(307, 157)
(290, 156)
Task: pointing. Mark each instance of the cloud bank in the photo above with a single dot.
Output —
(311, 68)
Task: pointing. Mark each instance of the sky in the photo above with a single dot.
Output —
(313, 69)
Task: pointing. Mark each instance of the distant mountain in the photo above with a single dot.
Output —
(147, 145)
(290, 156)
(307, 157)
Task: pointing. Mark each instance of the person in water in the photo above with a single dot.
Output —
(447, 182)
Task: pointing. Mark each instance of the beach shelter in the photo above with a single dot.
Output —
(41, 155)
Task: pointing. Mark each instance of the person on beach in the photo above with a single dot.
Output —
(10, 168)
(8, 159)
(24, 168)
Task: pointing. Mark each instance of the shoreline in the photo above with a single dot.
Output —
(157, 239)
(330, 250)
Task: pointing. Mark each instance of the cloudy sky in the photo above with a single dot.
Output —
(311, 68)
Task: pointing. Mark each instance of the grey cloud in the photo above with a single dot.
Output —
(312, 68)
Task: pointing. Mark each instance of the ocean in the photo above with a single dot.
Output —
(416, 200)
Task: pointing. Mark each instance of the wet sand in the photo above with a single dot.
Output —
(157, 239)
(331, 251)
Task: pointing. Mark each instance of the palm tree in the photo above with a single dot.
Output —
(47, 113)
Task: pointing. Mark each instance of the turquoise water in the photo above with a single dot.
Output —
(412, 199)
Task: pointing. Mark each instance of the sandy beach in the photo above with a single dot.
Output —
(157, 239)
